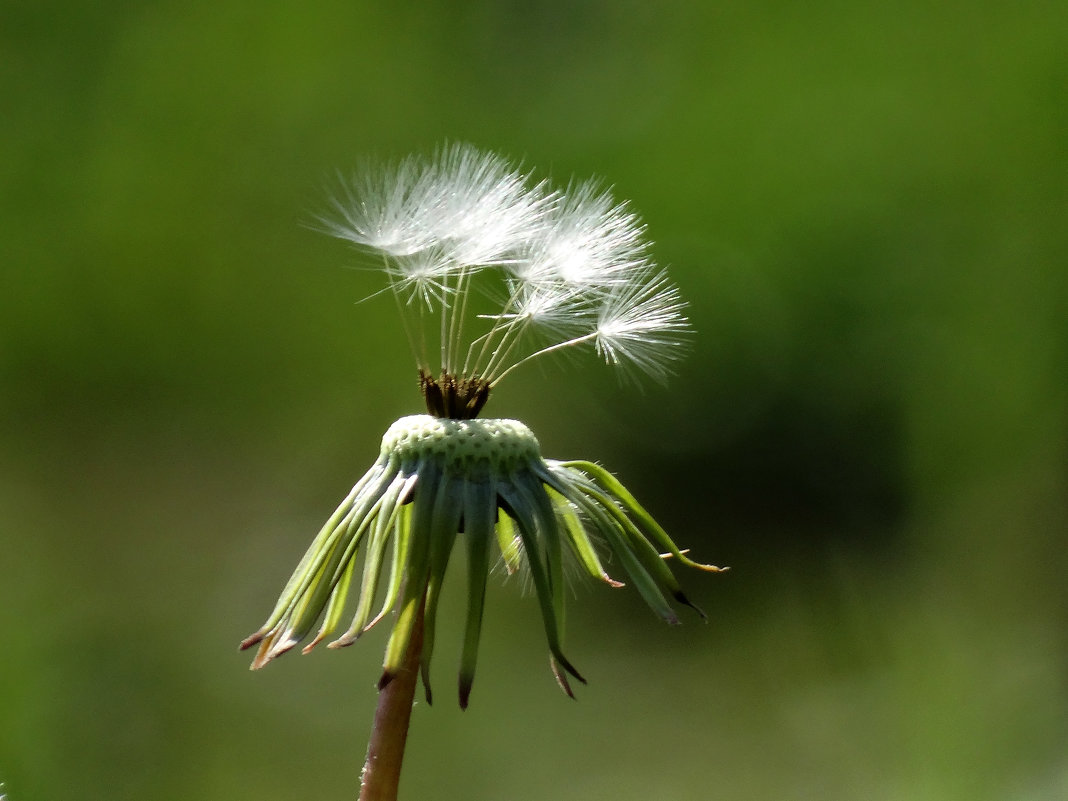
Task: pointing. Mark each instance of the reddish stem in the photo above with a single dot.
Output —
(385, 752)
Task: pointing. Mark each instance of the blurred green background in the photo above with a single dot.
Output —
(866, 207)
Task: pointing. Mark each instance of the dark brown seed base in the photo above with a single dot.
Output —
(452, 397)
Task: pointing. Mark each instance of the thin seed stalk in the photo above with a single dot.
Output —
(385, 751)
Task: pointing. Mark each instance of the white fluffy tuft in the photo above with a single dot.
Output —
(571, 266)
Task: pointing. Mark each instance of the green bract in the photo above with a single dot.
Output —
(485, 484)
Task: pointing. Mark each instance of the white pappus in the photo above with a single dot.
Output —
(492, 268)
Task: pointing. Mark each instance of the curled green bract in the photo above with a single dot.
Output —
(484, 483)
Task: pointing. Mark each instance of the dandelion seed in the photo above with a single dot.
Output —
(482, 207)
(641, 323)
(380, 209)
(588, 241)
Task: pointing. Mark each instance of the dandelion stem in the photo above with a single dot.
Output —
(385, 751)
(420, 358)
(576, 341)
(446, 307)
(487, 338)
(509, 339)
(457, 326)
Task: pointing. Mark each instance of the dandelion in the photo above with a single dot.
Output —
(490, 270)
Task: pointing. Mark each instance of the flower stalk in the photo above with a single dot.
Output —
(380, 779)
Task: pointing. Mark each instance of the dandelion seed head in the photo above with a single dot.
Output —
(567, 267)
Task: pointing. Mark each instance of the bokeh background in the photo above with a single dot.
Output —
(865, 205)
